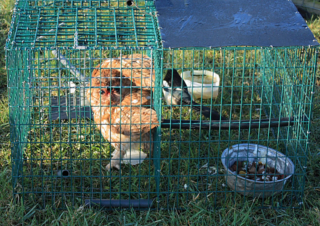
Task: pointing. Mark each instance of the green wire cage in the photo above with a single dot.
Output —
(55, 51)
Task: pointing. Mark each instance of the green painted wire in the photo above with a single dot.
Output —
(275, 64)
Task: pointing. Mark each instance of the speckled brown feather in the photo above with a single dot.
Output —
(136, 67)
(116, 116)
(132, 120)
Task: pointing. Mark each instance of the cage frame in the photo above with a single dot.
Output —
(18, 137)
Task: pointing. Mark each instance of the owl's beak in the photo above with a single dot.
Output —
(105, 92)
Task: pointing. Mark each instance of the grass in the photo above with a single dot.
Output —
(314, 25)
(241, 213)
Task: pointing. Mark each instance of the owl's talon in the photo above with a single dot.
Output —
(113, 164)
(108, 168)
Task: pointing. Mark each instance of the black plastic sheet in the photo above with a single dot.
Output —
(205, 23)
(65, 108)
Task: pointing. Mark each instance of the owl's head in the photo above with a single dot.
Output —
(104, 89)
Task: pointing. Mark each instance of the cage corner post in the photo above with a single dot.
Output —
(19, 113)
(156, 54)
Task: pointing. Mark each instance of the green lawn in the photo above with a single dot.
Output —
(14, 212)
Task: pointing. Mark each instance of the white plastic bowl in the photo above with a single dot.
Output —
(206, 86)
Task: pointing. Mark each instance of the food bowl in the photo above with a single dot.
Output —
(250, 153)
(206, 86)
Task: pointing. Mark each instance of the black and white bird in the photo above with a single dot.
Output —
(176, 93)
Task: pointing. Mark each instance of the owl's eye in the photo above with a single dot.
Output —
(102, 92)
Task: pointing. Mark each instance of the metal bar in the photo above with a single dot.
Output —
(76, 30)
(115, 26)
(124, 203)
(225, 124)
(57, 27)
(95, 27)
(134, 26)
(16, 31)
(69, 66)
(35, 34)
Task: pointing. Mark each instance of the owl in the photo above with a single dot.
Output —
(121, 105)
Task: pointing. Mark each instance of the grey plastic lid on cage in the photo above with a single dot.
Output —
(205, 23)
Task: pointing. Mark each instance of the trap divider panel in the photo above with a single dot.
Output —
(42, 32)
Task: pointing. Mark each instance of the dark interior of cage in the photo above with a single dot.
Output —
(65, 155)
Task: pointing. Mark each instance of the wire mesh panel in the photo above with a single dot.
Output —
(84, 28)
(101, 113)
(264, 98)
(58, 152)
(265, 94)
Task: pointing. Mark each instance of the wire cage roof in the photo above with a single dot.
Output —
(83, 3)
(83, 28)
